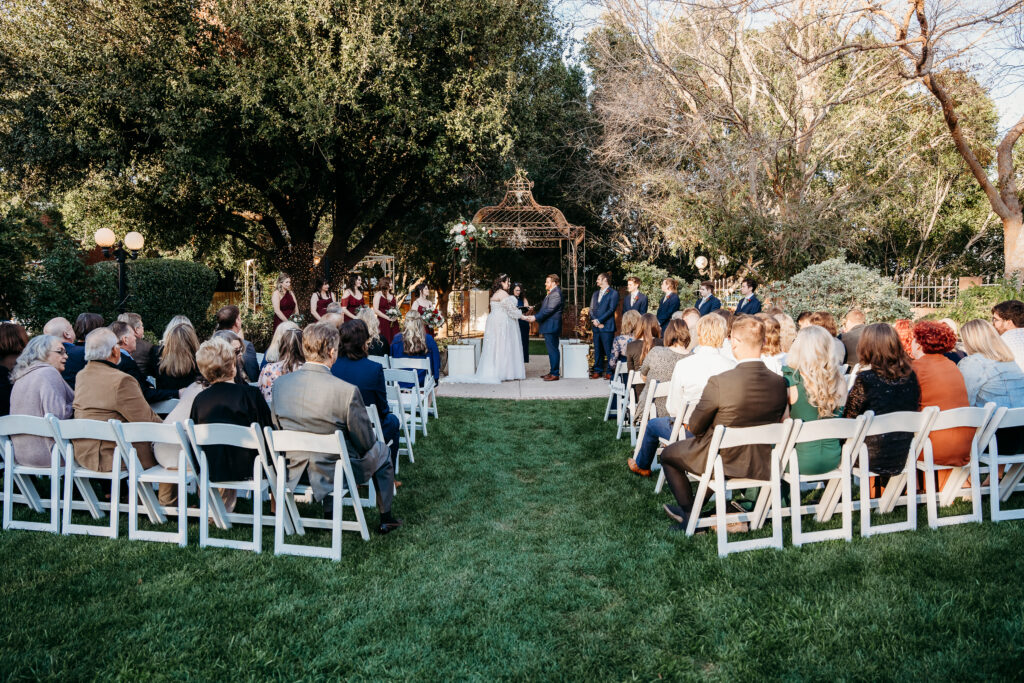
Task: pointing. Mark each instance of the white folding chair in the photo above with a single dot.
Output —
(1005, 470)
(427, 388)
(917, 424)
(713, 478)
(616, 394)
(852, 377)
(140, 481)
(630, 411)
(280, 443)
(677, 428)
(384, 361)
(417, 415)
(164, 408)
(204, 435)
(406, 438)
(649, 411)
(77, 476)
(20, 476)
(378, 431)
(838, 489)
(978, 419)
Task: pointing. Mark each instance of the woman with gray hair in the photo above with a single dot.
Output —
(39, 390)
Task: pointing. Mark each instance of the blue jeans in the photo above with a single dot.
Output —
(658, 428)
(554, 357)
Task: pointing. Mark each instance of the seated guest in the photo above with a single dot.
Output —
(690, 317)
(227, 402)
(230, 318)
(661, 360)
(991, 375)
(333, 307)
(1008, 319)
(669, 303)
(635, 299)
(353, 366)
(853, 325)
(167, 454)
(817, 391)
(176, 366)
(287, 357)
(273, 353)
(157, 352)
(414, 342)
(376, 346)
(803, 319)
(886, 383)
(630, 321)
(39, 390)
(749, 304)
(687, 383)
(787, 333)
(648, 335)
(746, 396)
(86, 323)
(772, 357)
(238, 345)
(62, 329)
(12, 342)
(827, 320)
(706, 301)
(143, 349)
(333, 318)
(311, 399)
(126, 343)
(942, 385)
(728, 316)
(905, 331)
(103, 392)
(956, 354)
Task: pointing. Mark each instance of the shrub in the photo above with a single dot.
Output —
(59, 285)
(837, 286)
(977, 302)
(158, 290)
(258, 326)
(650, 281)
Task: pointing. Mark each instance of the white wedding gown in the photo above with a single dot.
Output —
(501, 358)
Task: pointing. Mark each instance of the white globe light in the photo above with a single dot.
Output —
(105, 237)
(722, 260)
(133, 241)
(701, 262)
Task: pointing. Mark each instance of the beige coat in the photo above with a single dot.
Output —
(102, 392)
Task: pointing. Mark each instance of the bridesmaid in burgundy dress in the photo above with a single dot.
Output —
(421, 303)
(382, 301)
(352, 297)
(321, 299)
(283, 300)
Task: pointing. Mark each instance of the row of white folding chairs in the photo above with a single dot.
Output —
(269, 473)
(622, 401)
(1005, 472)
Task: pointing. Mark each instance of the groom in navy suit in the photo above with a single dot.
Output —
(549, 319)
(602, 317)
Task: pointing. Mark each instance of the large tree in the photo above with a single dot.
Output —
(281, 125)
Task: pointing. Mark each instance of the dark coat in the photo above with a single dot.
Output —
(603, 310)
(640, 306)
(709, 306)
(669, 305)
(549, 315)
(752, 307)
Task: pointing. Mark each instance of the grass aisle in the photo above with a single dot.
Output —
(529, 551)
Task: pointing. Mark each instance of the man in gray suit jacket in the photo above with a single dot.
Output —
(311, 399)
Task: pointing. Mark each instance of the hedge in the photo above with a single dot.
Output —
(837, 286)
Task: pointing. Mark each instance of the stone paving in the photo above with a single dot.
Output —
(533, 387)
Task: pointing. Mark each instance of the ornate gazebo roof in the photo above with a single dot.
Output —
(519, 221)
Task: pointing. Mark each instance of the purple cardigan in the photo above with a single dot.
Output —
(39, 391)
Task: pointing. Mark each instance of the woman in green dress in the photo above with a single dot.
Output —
(817, 391)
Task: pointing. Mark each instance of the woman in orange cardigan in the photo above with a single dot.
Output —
(942, 386)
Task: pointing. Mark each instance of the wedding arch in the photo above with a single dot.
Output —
(519, 222)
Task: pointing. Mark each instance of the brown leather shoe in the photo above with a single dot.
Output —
(636, 469)
(551, 378)
(608, 376)
(595, 375)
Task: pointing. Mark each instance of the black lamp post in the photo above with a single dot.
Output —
(130, 248)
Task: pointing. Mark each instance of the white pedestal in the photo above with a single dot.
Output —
(574, 360)
(477, 344)
(461, 360)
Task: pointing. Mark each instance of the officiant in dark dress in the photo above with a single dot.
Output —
(524, 327)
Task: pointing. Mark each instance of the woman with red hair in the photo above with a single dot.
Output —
(942, 385)
(904, 330)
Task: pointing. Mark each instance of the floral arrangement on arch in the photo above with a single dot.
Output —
(463, 235)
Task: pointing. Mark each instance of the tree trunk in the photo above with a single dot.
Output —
(1013, 226)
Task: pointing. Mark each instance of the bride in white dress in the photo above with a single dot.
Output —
(501, 357)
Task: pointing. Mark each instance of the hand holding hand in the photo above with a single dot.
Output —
(530, 318)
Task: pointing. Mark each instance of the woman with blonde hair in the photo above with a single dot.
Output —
(377, 345)
(771, 353)
(991, 374)
(630, 320)
(176, 366)
(288, 357)
(817, 391)
(283, 300)
(274, 350)
(414, 342)
(787, 333)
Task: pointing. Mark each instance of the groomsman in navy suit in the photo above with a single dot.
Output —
(669, 302)
(602, 317)
(549, 323)
(635, 299)
(707, 301)
(749, 304)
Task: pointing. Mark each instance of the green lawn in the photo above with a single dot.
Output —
(529, 552)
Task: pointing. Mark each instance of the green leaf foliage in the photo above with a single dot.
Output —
(977, 302)
(837, 286)
(59, 285)
(651, 277)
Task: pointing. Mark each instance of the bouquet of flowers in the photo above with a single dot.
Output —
(460, 236)
(393, 314)
(433, 318)
(299, 319)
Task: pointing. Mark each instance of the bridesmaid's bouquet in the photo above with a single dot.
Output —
(433, 318)
(393, 314)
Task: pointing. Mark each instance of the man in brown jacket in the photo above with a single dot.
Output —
(749, 395)
(102, 392)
